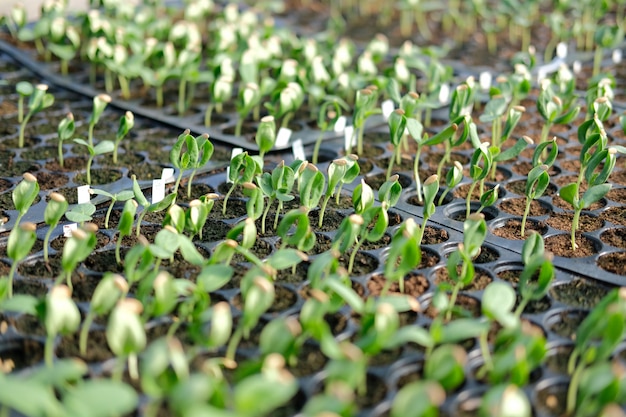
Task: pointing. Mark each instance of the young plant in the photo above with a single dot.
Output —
(23, 89)
(503, 400)
(198, 213)
(454, 176)
(418, 398)
(474, 234)
(277, 185)
(338, 170)
(60, 316)
(65, 132)
(190, 153)
(329, 113)
(605, 37)
(126, 336)
(397, 124)
(127, 121)
(100, 103)
(123, 195)
(105, 146)
(56, 208)
(265, 135)
(431, 188)
(500, 155)
(445, 365)
(24, 195)
(596, 339)
(551, 107)
(108, 292)
(39, 99)
(243, 168)
(538, 273)
(478, 173)
(221, 91)
(249, 97)
(404, 254)
(125, 225)
(596, 164)
(286, 100)
(76, 249)
(81, 213)
(21, 241)
(141, 199)
(364, 107)
(311, 187)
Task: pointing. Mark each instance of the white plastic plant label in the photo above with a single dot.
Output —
(67, 229)
(83, 194)
(484, 80)
(167, 174)
(561, 50)
(349, 138)
(616, 56)
(340, 124)
(387, 108)
(233, 153)
(298, 150)
(158, 190)
(576, 67)
(282, 137)
(444, 93)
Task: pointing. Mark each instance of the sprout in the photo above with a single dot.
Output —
(39, 99)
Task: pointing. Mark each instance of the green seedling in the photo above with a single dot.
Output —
(76, 249)
(81, 213)
(21, 241)
(364, 107)
(266, 135)
(126, 336)
(141, 199)
(303, 237)
(552, 109)
(63, 42)
(60, 316)
(454, 176)
(256, 202)
(221, 91)
(24, 89)
(123, 195)
(474, 234)
(444, 365)
(536, 184)
(65, 132)
(404, 254)
(538, 273)
(24, 195)
(258, 295)
(190, 153)
(311, 187)
(127, 121)
(105, 146)
(56, 208)
(39, 99)
(249, 97)
(108, 292)
(605, 37)
(431, 188)
(502, 155)
(337, 170)
(505, 400)
(198, 213)
(125, 225)
(285, 101)
(276, 185)
(397, 124)
(596, 339)
(243, 168)
(100, 103)
(478, 173)
(329, 112)
(419, 398)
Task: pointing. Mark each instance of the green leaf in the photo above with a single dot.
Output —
(100, 398)
(260, 394)
(594, 194)
(285, 258)
(569, 193)
(20, 303)
(41, 402)
(215, 276)
(418, 399)
(498, 301)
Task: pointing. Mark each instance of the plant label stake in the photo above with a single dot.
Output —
(298, 150)
(340, 124)
(616, 57)
(83, 194)
(158, 190)
(67, 229)
(234, 153)
(349, 139)
(282, 137)
(387, 108)
(561, 50)
(167, 174)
